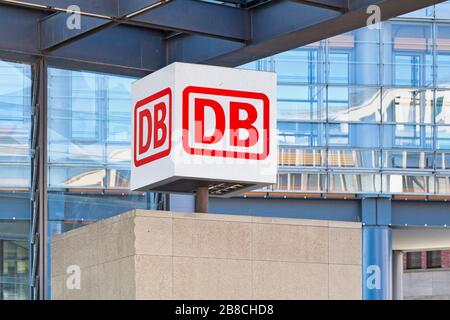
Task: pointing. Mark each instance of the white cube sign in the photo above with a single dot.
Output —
(196, 125)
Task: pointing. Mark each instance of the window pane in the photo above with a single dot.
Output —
(14, 270)
(442, 185)
(408, 56)
(413, 260)
(354, 58)
(88, 127)
(354, 104)
(76, 177)
(404, 159)
(338, 134)
(298, 66)
(15, 176)
(443, 55)
(85, 152)
(353, 135)
(118, 153)
(443, 137)
(442, 161)
(351, 158)
(301, 157)
(302, 182)
(282, 181)
(354, 183)
(92, 207)
(15, 125)
(408, 105)
(301, 102)
(422, 13)
(396, 183)
(250, 66)
(300, 134)
(442, 10)
(411, 136)
(433, 259)
(442, 107)
(118, 178)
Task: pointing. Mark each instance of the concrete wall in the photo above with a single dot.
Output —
(163, 255)
(426, 284)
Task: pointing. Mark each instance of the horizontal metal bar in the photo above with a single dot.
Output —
(98, 7)
(196, 17)
(55, 32)
(337, 5)
(188, 16)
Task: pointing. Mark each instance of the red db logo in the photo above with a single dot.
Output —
(225, 123)
(153, 127)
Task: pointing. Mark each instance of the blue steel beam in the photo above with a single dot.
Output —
(338, 5)
(55, 33)
(122, 49)
(371, 211)
(272, 28)
(196, 17)
(283, 25)
(181, 16)
(107, 8)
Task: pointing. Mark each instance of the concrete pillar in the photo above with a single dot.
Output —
(377, 263)
(397, 275)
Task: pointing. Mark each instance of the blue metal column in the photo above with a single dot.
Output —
(377, 263)
(376, 249)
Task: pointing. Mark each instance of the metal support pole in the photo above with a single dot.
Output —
(201, 200)
(40, 236)
(1, 269)
(377, 263)
(397, 275)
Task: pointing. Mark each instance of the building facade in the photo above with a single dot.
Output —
(426, 275)
(362, 113)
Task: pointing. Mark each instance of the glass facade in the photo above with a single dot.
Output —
(89, 134)
(15, 179)
(366, 111)
(363, 112)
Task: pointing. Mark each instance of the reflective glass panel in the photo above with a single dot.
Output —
(76, 177)
(354, 183)
(15, 124)
(405, 159)
(443, 55)
(442, 10)
(407, 136)
(442, 161)
(353, 135)
(301, 102)
(442, 137)
(301, 182)
(443, 185)
(354, 104)
(408, 54)
(301, 134)
(354, 58)
(442, 106)
(408, 105)
(353, 158)
(397, 183)
(299, 66)
(301, 157)
(88, 127)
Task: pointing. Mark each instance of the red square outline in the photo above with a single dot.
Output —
(164, 153)
(228, 93)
